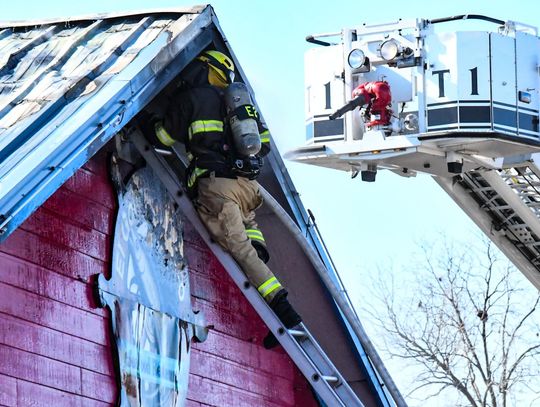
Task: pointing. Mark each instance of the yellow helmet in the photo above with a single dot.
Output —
(221, 68)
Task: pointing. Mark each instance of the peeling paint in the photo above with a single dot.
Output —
(149, 296)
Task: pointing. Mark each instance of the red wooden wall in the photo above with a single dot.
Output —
(55, 347)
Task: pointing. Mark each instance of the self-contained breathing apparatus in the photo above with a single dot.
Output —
(242, 121)
(238, 151)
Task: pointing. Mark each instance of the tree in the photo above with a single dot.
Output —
(471, 325)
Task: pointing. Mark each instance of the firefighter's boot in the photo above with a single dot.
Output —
(286, 314)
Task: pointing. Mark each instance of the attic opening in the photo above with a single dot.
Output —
(166, 96)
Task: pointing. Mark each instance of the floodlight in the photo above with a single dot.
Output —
(389, 50)
(356, 58)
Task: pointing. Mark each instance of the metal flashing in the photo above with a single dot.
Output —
(197, 9)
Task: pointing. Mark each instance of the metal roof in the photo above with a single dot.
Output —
(66, 87)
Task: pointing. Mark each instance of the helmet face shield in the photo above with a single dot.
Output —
(221, 68)
(216, 77)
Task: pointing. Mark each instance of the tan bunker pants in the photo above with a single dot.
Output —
(227, 208)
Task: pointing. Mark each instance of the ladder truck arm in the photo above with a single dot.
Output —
(505, 205)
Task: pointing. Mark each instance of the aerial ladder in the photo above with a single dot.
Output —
(461, 106)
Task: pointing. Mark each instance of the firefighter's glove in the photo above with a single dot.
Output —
(147, 123)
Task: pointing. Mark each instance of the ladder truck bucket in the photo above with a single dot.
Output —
(460, 100)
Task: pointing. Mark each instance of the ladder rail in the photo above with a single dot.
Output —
(342, 301)
(513, 199)
(303, 349)
(504, 205)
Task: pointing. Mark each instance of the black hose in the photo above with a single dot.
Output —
(467, 17)
(350, 105)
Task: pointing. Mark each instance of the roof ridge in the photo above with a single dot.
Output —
(103, 16)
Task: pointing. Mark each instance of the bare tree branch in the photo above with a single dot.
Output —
(466, 326)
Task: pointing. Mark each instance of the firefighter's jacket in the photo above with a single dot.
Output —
(197, 118)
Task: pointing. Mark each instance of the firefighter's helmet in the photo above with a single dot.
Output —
(220, 68)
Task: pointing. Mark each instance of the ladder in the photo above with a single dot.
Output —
(299, 344)
(505, 204)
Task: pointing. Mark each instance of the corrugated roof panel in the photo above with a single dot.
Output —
(66, 87)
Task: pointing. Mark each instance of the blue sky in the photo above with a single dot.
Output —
(365, 225)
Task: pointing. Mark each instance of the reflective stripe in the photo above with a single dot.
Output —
(205, 126)
(265, 136)
(255, 234)
(269, 286)
(163, 136)
(197, 172)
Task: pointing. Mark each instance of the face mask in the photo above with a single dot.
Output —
(216, 77)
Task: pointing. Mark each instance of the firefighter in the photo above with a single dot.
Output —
(222, 172)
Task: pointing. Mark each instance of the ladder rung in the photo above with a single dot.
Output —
(505, 219)
(330, 379)
(297, 333)
(534, 244)
(491, 202)
(482, 189)
(163, 152)
(501, 207)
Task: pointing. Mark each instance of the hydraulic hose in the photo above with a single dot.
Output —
(466, 17)
(343, 305)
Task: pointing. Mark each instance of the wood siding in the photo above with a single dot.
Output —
(55, 346)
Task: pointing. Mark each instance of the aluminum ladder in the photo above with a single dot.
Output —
(505, 204)
(299, 344)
